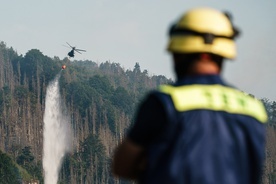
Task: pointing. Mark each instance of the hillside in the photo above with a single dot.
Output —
(100, 99)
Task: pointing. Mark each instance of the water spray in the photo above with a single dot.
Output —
(56, 133)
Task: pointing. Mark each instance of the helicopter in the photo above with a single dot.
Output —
(72, 52)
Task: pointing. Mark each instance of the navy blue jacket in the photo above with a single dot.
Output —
(201, 131)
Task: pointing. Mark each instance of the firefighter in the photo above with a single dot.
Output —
(199, 130)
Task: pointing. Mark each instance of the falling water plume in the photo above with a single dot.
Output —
(56, 133)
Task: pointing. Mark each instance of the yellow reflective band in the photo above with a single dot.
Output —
(217, 98)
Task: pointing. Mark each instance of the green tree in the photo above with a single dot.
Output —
(25, 157)
(123, 100)
(8, 171)
(93, 155)
(137, 69)
(26, 160)
(102, 85)
(81, 95)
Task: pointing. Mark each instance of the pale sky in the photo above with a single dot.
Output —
(130, 31)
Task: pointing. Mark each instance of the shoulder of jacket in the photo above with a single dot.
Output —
(215, 97)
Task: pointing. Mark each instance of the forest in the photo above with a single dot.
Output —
(101, 99)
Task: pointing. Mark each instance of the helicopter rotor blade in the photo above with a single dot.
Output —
(77, 51)
(66, 46)
(80, 50)
(69, 45)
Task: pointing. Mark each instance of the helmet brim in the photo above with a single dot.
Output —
(194, 44)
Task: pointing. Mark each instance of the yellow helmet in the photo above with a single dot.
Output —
(204, 30)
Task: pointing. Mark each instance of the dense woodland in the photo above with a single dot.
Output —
(101, 99)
